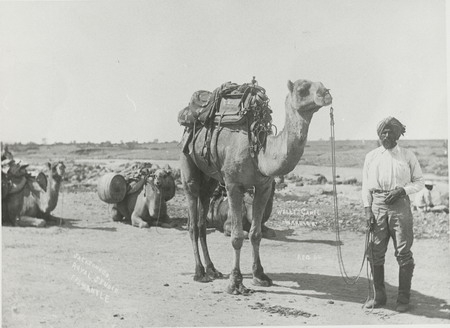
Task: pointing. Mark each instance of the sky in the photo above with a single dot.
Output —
(122, 70)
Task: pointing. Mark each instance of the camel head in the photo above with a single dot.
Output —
(161, 182)
(57, 169)
(307, 96)
(165, 182)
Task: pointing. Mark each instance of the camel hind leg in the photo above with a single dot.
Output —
(193, 181)
(115, 213)
(206, 190)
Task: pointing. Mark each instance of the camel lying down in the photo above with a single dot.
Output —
(219, 218)
(146, 204)
(31, 205)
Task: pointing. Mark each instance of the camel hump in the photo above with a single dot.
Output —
(112, 188)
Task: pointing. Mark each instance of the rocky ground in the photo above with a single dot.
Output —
(87, 271)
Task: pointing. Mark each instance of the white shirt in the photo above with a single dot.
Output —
(386, 169)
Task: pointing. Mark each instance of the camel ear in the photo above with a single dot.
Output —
(49, 165)
(290, 85)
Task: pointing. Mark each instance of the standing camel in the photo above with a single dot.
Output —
(232, 164)
(31, 205)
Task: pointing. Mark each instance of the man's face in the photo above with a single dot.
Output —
(388, 138)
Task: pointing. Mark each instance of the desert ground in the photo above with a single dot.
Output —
(87, 271)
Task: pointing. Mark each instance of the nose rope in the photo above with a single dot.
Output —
(347, 279)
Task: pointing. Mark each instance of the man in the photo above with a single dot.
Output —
(423, 200)
(390, 174)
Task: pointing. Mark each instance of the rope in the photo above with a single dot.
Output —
(347, 279)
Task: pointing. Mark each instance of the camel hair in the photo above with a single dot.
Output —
(233, 165)
(32, 205)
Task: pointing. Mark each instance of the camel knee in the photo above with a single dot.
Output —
(255, 237)
(237, 240)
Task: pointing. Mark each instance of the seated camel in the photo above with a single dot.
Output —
(145, 203)
(218, 213)
(29, 201)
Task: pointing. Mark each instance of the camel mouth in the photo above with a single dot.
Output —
(323, 98)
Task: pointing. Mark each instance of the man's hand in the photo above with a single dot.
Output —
(394, 195)
(370, 218)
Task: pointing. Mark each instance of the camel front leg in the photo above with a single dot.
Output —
(262, 195)
(139, 211)
(28, 221)
(235, 199)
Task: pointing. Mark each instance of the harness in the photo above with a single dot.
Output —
(230, 105)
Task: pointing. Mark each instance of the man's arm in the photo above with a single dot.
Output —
(417, 182)
(366, 194)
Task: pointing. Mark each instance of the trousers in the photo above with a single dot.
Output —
(392, 221)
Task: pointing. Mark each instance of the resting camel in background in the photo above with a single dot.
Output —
(218, 214)
(145, 204)
(31, 201)
(239, 171)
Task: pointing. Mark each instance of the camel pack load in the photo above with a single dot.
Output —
(230, 104)
(113, 187)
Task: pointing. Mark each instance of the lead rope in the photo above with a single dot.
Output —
(347, 279)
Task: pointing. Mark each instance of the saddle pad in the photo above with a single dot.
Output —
(230, 112)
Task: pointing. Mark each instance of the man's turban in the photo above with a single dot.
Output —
(397, 127)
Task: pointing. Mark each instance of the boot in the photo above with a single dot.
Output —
(380, 291)
(404, 287)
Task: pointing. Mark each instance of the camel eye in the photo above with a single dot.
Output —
(304, 90)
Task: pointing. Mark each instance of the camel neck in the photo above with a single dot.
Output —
(54, 183)
(283, 152)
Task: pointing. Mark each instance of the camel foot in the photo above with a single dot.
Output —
(239, 290)
(41, 224)
(200, 275)
(143, 225)
(236, 287)
(263, 280)
(212, 273)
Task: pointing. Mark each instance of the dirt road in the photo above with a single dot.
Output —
(91, 272)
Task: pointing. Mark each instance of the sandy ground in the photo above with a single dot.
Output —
(92, 272)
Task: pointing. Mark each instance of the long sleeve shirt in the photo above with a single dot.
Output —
(387, 169)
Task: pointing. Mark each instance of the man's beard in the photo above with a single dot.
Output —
(388, 143)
